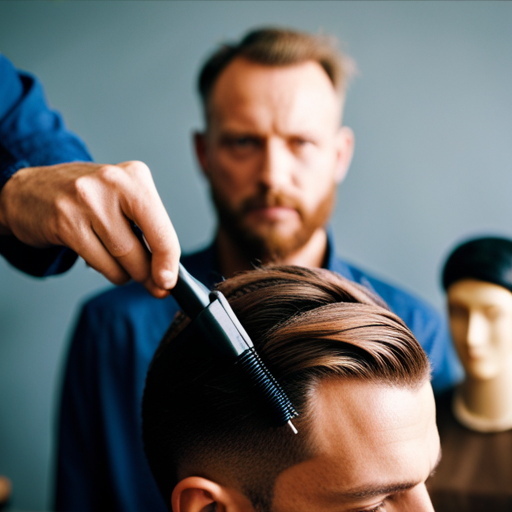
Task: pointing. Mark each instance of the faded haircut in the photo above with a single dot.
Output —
(200, 417)
(278, 47)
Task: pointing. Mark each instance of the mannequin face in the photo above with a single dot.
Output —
(481, 326)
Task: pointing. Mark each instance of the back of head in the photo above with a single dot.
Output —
(486, 259)
(200, 417)
(278, 47)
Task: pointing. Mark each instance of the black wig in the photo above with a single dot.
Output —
(485, 259)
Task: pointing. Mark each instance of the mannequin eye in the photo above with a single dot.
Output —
(457, 312)
(493, 313)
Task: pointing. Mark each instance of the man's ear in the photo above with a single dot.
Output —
(345, 149)
(197, 494)
(200, 148)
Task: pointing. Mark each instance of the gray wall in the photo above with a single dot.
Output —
(431, 109)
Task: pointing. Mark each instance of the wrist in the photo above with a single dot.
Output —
(5, 175)
(9, 165)
(4, 229)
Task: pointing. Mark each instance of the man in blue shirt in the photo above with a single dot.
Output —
(55, 203)
(273, 152)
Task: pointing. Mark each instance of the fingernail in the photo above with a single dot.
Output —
(167, 277)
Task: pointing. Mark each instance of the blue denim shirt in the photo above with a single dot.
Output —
(101, 463)
(31, 134)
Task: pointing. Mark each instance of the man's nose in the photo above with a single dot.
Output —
(277, 165)
(417, 500)
(477, 330)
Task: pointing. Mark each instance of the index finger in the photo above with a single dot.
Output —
(162, 240)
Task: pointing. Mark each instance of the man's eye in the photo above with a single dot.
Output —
(242, 142)
(378, 508)
(300, 142)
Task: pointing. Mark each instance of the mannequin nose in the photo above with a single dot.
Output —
(477, 331)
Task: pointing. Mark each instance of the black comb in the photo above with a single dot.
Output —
(217, 321)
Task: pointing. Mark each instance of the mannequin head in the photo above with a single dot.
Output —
(352, 369)
(478, 280)
(481, 325)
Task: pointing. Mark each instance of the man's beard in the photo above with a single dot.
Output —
(265, 242)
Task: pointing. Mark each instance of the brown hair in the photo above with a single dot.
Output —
(278, 47)
(201, 418)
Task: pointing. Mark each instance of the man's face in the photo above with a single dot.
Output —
(481, 326)
(376, 446)
(273, 153)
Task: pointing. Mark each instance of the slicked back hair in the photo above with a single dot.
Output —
(278, 47)
(200, 417)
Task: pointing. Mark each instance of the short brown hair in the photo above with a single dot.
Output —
(278, 47)
(199, 415)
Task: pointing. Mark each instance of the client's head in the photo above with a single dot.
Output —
(367, 437)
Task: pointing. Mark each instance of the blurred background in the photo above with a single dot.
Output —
(431, 109)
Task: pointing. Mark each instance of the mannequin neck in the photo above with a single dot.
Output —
(232, 259)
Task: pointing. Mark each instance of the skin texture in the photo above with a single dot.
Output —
(85, 207)
(481, 326)
(273, 154)
(376, 447)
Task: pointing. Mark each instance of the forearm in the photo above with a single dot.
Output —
(54, 196)
(31, 134)
(38, 262)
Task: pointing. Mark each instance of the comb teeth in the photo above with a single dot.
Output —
(282, 409)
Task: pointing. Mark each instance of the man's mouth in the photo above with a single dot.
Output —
(274, 213)
(271, 207)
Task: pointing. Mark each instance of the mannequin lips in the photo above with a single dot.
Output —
(476, 354)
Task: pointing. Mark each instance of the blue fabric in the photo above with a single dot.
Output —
(101, 463)
(31, 134)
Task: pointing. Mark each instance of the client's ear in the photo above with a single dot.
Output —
(196, 494)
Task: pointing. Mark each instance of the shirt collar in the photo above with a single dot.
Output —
(335, 264)
(332, 262)
(207, 271)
